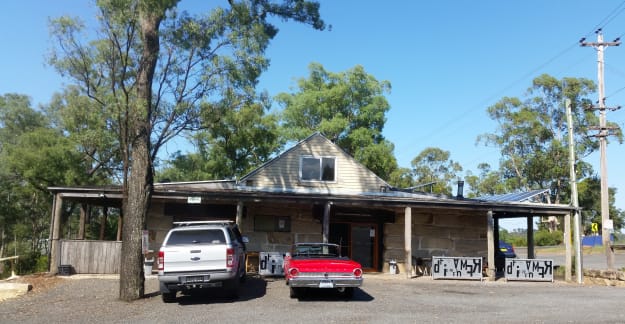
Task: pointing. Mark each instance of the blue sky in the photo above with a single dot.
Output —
(447, 61)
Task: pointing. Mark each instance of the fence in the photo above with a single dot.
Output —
(96, 257)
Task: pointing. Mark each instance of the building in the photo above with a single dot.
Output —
(316, 192)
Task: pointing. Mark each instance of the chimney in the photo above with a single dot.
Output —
(460, 190)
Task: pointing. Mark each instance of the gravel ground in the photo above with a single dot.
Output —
(382, 299)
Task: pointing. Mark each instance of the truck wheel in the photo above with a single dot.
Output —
(169, 297)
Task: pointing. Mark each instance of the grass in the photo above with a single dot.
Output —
(559, 249)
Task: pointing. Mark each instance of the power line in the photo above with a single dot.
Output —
(605, 21)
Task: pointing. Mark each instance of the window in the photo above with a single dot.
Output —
(318, 169)
(184, 237)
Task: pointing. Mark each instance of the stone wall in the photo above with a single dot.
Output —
(435, 234)
(304, 228)
(158, 225)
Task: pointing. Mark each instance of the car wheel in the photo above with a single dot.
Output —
(169, 297)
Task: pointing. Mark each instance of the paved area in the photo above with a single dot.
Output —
(383, 299)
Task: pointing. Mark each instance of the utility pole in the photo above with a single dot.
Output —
(600, 46)
(574, 198)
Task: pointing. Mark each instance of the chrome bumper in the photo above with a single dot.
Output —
(322, 282)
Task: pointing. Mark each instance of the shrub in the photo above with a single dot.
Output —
(546, 238)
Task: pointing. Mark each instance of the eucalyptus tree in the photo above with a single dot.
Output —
(487, 182)
(347, 107)
(432, 168)
(34, 154)
(244, 137)
(532, 134)
(152, 71)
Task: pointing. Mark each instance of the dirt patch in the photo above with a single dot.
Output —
(40, 282)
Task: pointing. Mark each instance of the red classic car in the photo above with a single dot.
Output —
(320, 265)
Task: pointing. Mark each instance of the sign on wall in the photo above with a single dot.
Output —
(457, 268)
(529, 269)
(271, 264)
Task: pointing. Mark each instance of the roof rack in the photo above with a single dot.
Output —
(195, 223)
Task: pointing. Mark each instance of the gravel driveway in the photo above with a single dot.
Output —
(382, 299)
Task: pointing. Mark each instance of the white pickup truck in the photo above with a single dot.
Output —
(200, 255)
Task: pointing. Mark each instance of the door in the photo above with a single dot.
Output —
(363, 245)
(358, 241)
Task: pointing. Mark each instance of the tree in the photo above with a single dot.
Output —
(152, 74)
(488, 182)
(34, 154)
(243, 138)
(589, 193)
(349, 108)
(433, 168)
(532, 134)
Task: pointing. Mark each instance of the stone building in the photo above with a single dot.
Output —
(316, 192)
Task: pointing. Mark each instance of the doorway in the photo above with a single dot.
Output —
(358, 241)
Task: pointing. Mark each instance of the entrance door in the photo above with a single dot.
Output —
(363, 245)
(358, 241)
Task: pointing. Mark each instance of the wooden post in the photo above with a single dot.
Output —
(326, 222)
(530, 237)
(408, 241)
(490, 237)
(239, 217)
(105, 214)
(55, 246)
(567, 247)
(83, 216)
(119, 224)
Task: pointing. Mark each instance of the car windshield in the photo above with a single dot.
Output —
(316, 250)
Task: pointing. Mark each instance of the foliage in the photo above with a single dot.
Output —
(547, 238)
(35, 154)
(488, 182)
(244, 138)
(347, 107)
(532, 134)
(151, 75)
(432, 166)
(589, 196)
(516, 238)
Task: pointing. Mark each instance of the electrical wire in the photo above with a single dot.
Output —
(605, 21)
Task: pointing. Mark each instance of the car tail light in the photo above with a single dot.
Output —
(293, 272)
(161, 260)
(229, 257)
(357, 272)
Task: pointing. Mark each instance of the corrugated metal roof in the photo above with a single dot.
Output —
(528, 196)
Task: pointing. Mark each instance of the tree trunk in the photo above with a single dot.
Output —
(139, 185)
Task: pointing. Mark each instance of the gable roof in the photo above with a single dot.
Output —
(282, 173)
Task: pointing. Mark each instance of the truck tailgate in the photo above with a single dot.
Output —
(196, 258)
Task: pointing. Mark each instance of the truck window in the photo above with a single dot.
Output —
(197, 237)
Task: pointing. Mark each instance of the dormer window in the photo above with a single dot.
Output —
(317, 168)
